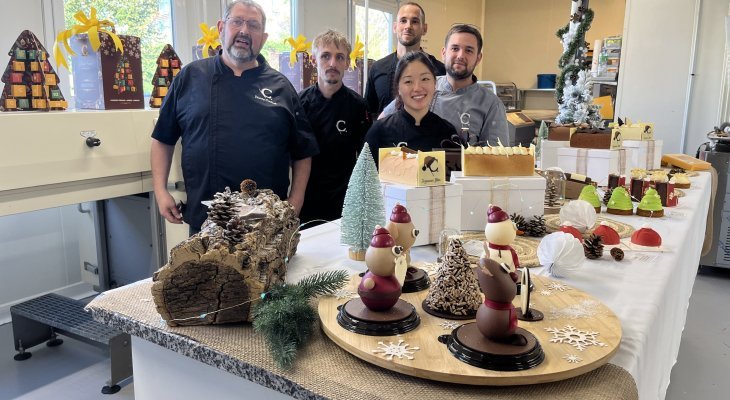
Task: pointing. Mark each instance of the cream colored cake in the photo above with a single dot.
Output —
(498, 161)
(413, 168)
(680, 180)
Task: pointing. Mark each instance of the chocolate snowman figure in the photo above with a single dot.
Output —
(379, 288)
(497, 317)
(404, 233)
(500, 232)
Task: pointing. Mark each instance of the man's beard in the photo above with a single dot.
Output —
(332, 81)
(242, 55)
(410, 43)
(466, 73)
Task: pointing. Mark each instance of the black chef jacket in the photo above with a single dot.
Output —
(379, 90)
(233, 128)
(401, 127)
(340, 125)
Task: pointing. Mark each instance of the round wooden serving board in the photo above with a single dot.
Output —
(434, 361)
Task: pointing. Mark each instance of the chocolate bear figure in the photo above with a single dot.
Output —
(379, 289)
(496, 317)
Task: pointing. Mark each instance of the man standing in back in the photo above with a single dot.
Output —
(409, 27)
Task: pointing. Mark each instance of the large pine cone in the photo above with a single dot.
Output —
(223, 208)
(607, 196)
(536, 227)
(519, 221)
(235, 230)
(592, 247)
(551, 194)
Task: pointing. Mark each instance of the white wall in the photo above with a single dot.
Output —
(706, 89)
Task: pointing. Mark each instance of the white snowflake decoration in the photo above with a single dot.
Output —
(546, 292)
(400, 350)
(585, 309)
(449, 325)
(572, 358)
(343, 294)
(577, 338)
(558, 286)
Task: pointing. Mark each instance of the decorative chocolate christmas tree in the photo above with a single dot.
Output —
(31, 83)
(168, 66)
(454, 292)
(363, 208)
(124, 81)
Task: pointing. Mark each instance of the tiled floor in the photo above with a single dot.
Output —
(77, 371)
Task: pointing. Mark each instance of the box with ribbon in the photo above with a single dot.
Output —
(645, 154)
(297, 65)
(208, 44)
(107, 68)
(524, 195)
(596, 163)
(353, 77)
(549, 152)
(432, 208)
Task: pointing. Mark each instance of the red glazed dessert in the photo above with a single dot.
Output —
(608, 235)
(646, 237)
(568, 228)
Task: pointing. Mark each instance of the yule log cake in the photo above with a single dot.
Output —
(498, 161)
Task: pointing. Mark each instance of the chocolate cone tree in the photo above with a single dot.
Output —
(454, 289)
(168, 66)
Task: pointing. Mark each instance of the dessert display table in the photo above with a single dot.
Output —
(648, 292)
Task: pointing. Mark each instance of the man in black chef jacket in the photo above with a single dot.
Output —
(339, 119)
(237, 117)
(409, 27)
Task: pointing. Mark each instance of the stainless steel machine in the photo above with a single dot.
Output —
(717, 153)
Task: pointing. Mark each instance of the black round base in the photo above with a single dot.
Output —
(495, 362)
(532, 315)
(110, 389)
(371, 328)
(22, 356)
(54, 342)
(416, 281)
(446, 315)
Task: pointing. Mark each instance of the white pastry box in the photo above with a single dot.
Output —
(549, 152)
(524, 195)
(645, 154)
(432, 208)
(597, 164)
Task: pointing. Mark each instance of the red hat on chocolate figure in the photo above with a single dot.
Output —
(495, 214)
(381, 238)
(400, 214)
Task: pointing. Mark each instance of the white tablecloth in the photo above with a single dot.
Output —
(649, 292)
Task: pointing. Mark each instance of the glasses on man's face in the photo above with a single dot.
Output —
(238, 23)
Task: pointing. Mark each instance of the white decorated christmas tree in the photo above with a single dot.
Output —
(573, 89)
(363, 208)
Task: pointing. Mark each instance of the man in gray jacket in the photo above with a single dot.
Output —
(475, 111)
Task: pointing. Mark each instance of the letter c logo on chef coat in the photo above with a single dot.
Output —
(464, 118)
(341, 127)
(266, 93)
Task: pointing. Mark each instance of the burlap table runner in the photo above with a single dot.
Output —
(322, 369)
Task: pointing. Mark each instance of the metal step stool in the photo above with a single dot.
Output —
(41, 319)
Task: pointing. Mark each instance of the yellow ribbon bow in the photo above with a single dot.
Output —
(90, 25)
(356, 52)
(297, 45)
(210, 39)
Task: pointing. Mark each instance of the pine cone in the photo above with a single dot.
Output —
(223, 208)
(249, 188)
(617, 254)
(607, 196)
(592, 247)
(235, 230)
(536, 227)
(519, 220)
(551, 194)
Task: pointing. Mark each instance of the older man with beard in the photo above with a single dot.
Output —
(409, 28)
(339, 119)
(237, 117)
(475, 111)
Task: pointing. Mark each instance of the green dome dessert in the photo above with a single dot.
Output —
(590, 195)
(650, 205)
(620, 202)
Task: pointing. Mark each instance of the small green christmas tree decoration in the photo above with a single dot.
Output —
(363, 207)
(286, 316)
(573, 89)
